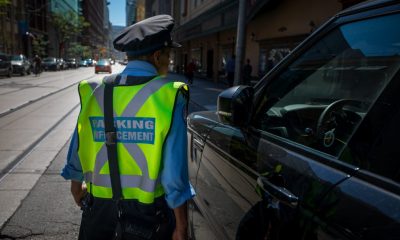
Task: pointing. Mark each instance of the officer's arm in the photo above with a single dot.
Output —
(180, 231)
(78, 190)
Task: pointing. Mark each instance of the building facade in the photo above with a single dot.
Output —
(130, 9)
(114, 33)
(207, 31)
(13, 28)
(56, 45)
(140, 10)
(23, 22)
(97, 34)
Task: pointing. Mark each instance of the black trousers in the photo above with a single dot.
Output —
(99, 218)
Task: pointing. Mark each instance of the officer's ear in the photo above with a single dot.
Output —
(156, 57)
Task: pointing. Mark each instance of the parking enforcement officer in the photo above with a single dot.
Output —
(148, 113)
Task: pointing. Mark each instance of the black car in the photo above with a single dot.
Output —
(21, 64)
(311, 151)
(5, 65)
(51, 63)
(72, 63)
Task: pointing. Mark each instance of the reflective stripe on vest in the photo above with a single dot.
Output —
(141, 182)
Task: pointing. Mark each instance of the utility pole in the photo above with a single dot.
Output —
(240, 42)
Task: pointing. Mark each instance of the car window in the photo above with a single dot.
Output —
(16, 58)
(103, 62)
(3, 57)
(321, 98)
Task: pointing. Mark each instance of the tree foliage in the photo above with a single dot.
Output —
(77, 50)
(39, 45)
(4, 2)
(3, 5)
(67, 26)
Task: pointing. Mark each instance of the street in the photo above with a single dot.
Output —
(37, 117)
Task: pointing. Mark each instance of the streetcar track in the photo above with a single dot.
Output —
(11, 110)
(50, 75)
(21, 157)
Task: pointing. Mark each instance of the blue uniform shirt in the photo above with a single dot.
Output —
(174, 175)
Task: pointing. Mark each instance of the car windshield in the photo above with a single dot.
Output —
(103, 62)
(16, 58)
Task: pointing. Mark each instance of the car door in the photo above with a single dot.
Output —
(275, 178)
(367, 205)
(353, 76)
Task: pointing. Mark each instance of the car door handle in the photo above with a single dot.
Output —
(280, 193)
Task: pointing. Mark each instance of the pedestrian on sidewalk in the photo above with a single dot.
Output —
(247, 69)
(189, 71)
(128, 155)
(230, 69)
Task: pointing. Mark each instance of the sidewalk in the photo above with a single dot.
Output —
(203, 93)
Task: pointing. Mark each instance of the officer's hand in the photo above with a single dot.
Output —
(78, 190)
(179, 234)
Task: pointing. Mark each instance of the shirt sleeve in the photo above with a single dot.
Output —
(174, 175)
(73, 168)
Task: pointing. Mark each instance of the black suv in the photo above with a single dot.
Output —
(312, 151)
(5, 65)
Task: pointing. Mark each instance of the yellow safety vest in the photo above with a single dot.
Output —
(142, 116)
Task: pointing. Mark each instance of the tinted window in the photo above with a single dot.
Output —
(320, 99)
(17, 58)
(3, 57)
(49, 60)
(381, 155)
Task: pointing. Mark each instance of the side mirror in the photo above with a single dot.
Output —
(235, 105)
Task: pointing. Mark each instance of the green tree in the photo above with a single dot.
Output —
(67, 26)
(39, 45)
(77, 50)
(4, 2)
(3, 6)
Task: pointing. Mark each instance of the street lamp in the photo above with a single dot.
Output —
(29, 36)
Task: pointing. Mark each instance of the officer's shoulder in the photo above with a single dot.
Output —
(109, 80)
(184, 90)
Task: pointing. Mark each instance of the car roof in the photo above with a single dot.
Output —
(367, 5)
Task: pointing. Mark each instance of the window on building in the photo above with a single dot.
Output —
(184, 6)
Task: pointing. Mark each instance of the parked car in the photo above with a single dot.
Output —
(83, 63)
(311, 151)
(72, 63)
(21, 65)
(103, 65)
(89, 62)
(5, 65)
(63, 64)
(51, 63)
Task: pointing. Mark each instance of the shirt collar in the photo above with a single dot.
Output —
(140, 68)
